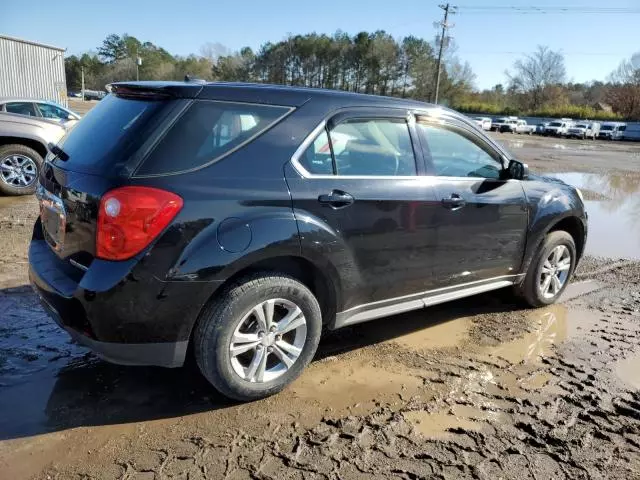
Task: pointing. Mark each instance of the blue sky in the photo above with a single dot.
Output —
(594, 44)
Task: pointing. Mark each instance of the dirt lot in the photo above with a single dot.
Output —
(479, 388)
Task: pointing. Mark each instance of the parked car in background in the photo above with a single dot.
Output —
(541, 127)
(517, 126)
(39, 108)
(497, 124)
(632, 132)
(94, 94)
(23, 147)
(223, 223)
(483, 122)
(584, 130)
(558, 128)
(612, 130)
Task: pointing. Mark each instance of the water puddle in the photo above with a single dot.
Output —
(356, 385)
(549, 328)
(436, 425)
(442, 335)
(628, 370)
(614, 224)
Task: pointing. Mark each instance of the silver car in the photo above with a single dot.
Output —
(24, 144)
(39, 108)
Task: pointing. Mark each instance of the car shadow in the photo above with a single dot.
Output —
(49, 384)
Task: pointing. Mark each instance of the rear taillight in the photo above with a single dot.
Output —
(130, 218)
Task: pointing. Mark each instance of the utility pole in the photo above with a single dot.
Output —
(448, 9)
(82, 76)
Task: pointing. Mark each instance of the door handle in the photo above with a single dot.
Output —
(336, 199)
(454, 202)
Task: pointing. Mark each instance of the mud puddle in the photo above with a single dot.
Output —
(614, 221)
(628, 370)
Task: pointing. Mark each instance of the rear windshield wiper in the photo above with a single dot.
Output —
(58, 152)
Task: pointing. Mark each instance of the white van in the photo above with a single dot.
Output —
(632, 132)
(558, 128)
(584, 129)
(612, 131)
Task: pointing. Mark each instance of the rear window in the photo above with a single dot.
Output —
(108, 134)
(206, 132)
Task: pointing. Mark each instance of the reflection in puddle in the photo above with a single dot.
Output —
(628, 370)
(549, 328)
(614, 225)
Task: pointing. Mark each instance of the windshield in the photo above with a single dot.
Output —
(555, 124)
(580, 125)
(607, 127)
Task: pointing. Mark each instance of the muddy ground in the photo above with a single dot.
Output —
(480, 388)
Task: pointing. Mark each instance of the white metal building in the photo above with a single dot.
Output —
(32, 70)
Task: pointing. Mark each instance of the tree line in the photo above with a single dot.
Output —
(374, 63)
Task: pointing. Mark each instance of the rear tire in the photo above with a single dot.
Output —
(229, 324)
(535, 289)
(17, 159)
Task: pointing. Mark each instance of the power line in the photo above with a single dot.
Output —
(496, 52)
(448, 9)
(552, 9)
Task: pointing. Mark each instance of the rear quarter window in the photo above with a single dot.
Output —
(207, 132)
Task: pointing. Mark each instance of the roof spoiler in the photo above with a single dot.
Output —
(156, 90)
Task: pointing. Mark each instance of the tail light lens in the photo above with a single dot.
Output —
(130, 218)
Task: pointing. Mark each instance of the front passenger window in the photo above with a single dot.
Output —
(453, 154)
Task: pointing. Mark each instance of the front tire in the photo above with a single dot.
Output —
(258, 336)
(19, 169)
(550, 270)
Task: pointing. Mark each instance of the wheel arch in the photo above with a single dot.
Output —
(27, 142)
(570, 223)
(574, 227)
(322, 283)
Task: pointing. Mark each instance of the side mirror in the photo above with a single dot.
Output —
(518, 170)
(70, 117)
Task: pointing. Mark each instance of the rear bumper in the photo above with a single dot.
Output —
(166, 354)
(126, 316)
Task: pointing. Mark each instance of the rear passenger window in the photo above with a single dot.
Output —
(373, 148)
(21, 108)
(206, 132)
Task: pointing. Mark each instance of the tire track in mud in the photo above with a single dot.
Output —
(563, 415)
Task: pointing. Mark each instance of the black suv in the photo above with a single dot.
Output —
(243, 219)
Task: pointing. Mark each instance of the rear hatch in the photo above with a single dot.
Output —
(98, 155)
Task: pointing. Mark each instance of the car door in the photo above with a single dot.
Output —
(359, 178)
(482, 220)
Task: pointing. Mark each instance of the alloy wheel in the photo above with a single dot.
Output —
(18, 170)
(555, 271)
(268, 340)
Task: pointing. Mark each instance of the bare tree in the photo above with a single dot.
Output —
(535, 73)
(214, 50)
(624, 94)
